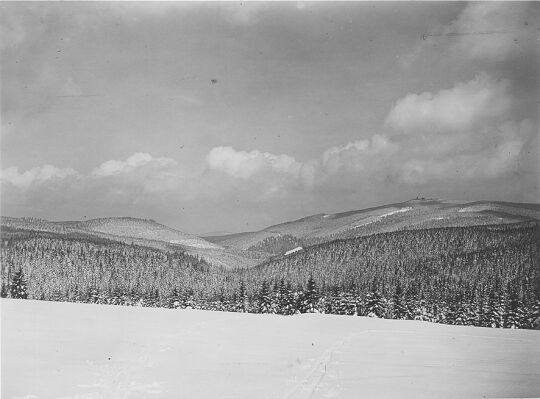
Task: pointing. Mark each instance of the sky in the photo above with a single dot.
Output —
(228, 117)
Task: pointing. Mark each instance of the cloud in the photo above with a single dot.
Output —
(487, 31)
(36, 176)
(463, 133)
(279, 174)
(462, 107)
(245, 165)
(139, 174)
(137, 177)
(135, 161)
(357, 156)
(269, 175)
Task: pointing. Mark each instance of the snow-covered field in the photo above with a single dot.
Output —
(62, 350)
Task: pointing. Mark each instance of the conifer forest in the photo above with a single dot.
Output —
(484, 276)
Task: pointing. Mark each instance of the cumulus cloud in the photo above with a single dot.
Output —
(465, 132)
(272, 174)
(464, 106)
(138, 174)
(280, 173)
(36, 176)
(245, 165)
(135, 161)
(357, 156)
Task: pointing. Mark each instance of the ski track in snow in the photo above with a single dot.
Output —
(312, 381)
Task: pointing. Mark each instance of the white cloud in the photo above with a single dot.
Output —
(463, 133)
(135, 161)
(139, 173)
(37, 175)
(357, 156)
(276, 175)
(484, 31)
(245, 165)
(488, 164)
(464, 106)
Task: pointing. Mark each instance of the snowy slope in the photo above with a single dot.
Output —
(141, 232)
(413, 214)
(62, 350)
(143, 229)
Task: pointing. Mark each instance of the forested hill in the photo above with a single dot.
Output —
(479, 275)
(142, 232)
(414, 214)
(424, 261)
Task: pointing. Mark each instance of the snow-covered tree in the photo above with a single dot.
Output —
(264, 298)
(17, 288)
(309, 299)
(374, 305)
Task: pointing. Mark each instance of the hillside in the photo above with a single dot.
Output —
(141, 228)
(475, 275)
(142, 232)
(413, 214)
(63, 350)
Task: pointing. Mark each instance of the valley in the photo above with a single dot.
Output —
(442, 261)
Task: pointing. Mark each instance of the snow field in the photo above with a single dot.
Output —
(63, 350)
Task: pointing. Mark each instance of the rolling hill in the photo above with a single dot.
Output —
(142, 232)
(413, 214)
(447, 262)
(249, 249)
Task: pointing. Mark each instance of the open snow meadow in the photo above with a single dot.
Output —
(69, 350)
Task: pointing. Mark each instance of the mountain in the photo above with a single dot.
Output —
(248, 249)
(145, 229)
(408, 215)
(143, 232)
(448, 262)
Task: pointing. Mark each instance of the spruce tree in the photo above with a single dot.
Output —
(400, 309)
(310, 296)
(17, 288)
(242, 298)
(265, 303)
(4, 292)
(374, 306)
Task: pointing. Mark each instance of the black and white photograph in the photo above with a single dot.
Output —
(269, 199)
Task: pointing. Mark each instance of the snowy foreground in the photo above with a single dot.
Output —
(63, 350)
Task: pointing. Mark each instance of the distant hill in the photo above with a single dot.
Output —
(449, 262)
(243, 250)
(413, 214)
(143, 232)
(142, 228)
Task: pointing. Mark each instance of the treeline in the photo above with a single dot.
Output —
(504, 310)
(64, 266)
(484, 276)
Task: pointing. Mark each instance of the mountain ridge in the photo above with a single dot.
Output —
(247, 249)
(412, 214)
